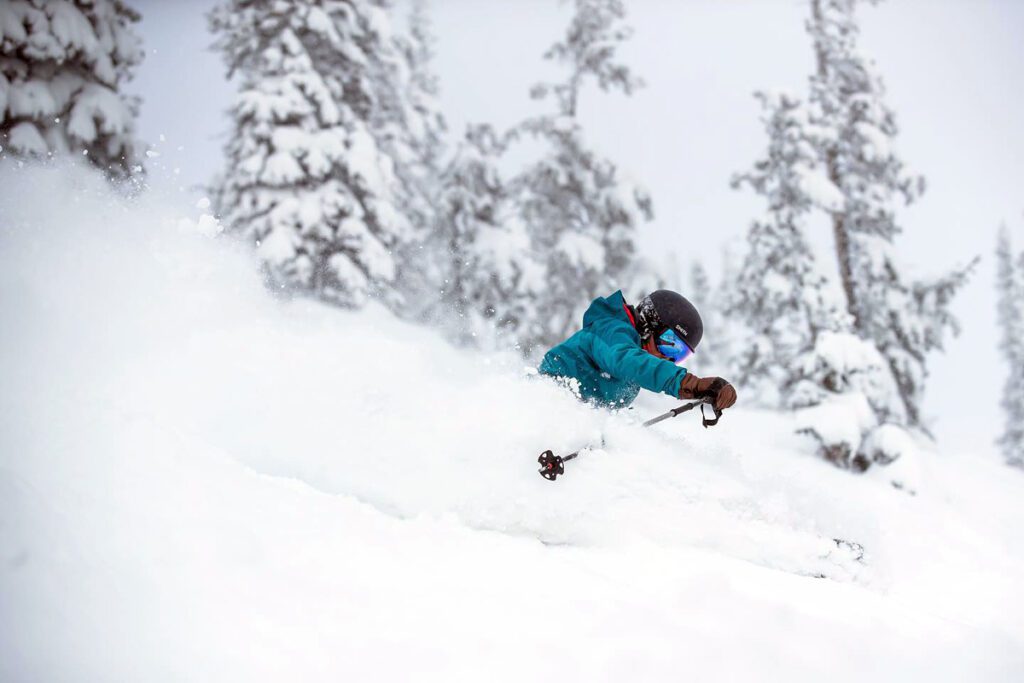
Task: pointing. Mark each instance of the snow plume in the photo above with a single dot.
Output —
(62, 65)
(199, 481)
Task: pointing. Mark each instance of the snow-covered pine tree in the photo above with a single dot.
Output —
(648, 273)
(491, 276)
(1010, 289)
(698, 290)
(779, 297)
(307, 180)
(708, 301)
(62, 66)
(837, 382)
(730, 333)
(407, 118)
(905, 319)
(418, 148)
(581, 213)
(793, 346)
(427, 122)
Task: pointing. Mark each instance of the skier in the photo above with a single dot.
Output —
(622, 348)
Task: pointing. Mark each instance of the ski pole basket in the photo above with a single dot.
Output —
(551, 465)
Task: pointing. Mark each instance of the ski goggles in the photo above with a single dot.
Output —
(672, 347)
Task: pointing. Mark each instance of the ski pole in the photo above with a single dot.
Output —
(552, 465)
(684, 408)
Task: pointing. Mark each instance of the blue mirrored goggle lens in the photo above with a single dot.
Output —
(672, 347)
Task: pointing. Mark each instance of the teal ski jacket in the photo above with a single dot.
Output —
(607, 359)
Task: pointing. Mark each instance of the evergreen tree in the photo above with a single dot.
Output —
(491, 278)
(779, 297)
(580, 213)
(707, 301)
(837, 382)
(428, 124)
(648, 273)
(732, 332)
(797, 348)
(309, 180)
(855, 371)
(1010, 288)
(418, 149)
(904, 319)
(699, 289)
(407, 118)
(62, 66)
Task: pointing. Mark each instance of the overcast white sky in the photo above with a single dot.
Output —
(954, 70)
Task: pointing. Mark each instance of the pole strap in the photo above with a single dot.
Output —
(704, 418)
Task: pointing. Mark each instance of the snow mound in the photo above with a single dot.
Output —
(199, 481)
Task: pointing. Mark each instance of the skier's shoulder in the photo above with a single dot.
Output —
(608, 319)
(605, 308)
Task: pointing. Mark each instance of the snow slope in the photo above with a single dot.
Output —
(200, 482)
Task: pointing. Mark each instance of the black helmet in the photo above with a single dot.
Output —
(666, 309)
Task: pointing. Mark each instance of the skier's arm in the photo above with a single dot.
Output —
(621, 358)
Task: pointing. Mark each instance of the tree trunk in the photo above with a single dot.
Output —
(842, 239)
(839, 228)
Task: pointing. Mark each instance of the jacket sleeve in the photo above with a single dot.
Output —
(621, 357)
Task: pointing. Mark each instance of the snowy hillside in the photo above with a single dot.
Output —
(199, 482)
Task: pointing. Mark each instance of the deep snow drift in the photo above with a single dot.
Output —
(200, 482)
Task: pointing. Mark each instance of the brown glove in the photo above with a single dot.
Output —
(716, 388)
